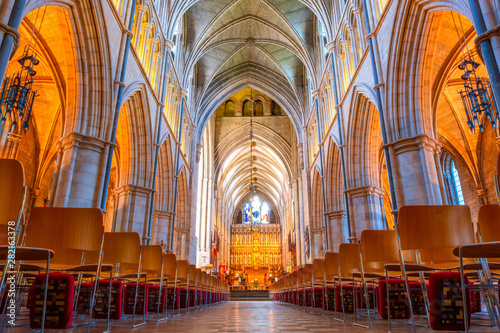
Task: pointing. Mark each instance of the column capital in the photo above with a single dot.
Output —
(413, 143)
(184, 92)
(315, 93)
(331, 46)
(366, 190)
(168, 45)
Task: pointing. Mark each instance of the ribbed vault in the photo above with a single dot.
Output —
(272, 168)
(234, 44)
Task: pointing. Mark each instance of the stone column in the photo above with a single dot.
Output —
(337, 220)
(10, 19)
(138, 28)
(367, 211)
(354, 45)
(161, 227)
(415, 171)
(147, 29)
(78, 171)
(131, 207)
(360, 28)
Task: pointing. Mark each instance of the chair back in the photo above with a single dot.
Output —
(169, 266)
(192, 274)
(308, 269)
(331, 265)
(198, 276)
(489, 223)
(152, 259)
(434, 231)
(182, 270)
(12, 196)
(73, 233)
(379, 247)
(349, 260)
(496, 179)
(123, 248)
(318, 269)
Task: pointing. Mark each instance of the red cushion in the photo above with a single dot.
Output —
(170, 298)
(153, 299)
(329, 299)
(102, 301)
(360, 297)
(59, 311)
(347, 299)
(397, 299)
(142, 296)
(445, 299)
(417, 298)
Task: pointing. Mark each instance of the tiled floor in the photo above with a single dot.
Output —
(255, 317)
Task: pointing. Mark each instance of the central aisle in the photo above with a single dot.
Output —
(262, 317)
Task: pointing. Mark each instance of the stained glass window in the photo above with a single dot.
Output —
(265, 213)
(256, 212)
(458, 186)
(246, 213)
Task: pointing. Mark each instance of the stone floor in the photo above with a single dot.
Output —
(254, 317)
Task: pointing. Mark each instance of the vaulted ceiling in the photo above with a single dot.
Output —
(235, 44)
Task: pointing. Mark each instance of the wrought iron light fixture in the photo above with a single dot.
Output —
(477, 96)
(17, 94)
(252, 188)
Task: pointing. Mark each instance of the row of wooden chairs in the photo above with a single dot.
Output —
(425, 244)
(70, 244)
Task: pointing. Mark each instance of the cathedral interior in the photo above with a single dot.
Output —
(185, 154)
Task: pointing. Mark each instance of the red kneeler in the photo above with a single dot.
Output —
(101, 305)
(142, 296)
(154, 293)
(170, 298)
(59, 311)
(446, 301)
(329, 299)
(348, 299)
(397, 299)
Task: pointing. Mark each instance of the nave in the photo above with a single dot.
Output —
(253, 317)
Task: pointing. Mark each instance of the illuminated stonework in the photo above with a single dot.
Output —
(256, 251)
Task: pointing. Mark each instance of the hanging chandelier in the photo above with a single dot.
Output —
(17, 94)
(252, 189)
(477, 96)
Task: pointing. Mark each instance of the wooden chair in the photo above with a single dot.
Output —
(152, 264)
(349, 267)
(489, 235)
(496, 179)
(199, 288)
(380, 260)
(170, 273)
(489, 223)
(183, 278)
(331, 275)
(12, 200)
(318, 275)
(123, 251)
(192, 285)
(432, 232)
(74, 234)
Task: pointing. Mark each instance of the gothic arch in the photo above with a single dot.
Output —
(90, 78)
(365, 142)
